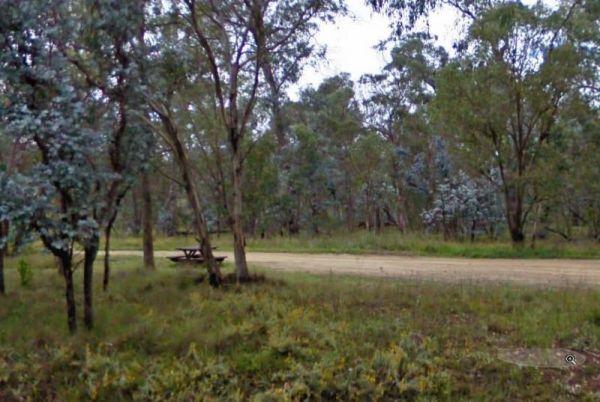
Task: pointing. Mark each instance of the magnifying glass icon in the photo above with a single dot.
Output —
(570, 359)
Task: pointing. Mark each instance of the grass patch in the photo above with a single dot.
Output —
(294, 336)
(387, 242)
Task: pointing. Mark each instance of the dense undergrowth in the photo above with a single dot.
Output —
(162, 336)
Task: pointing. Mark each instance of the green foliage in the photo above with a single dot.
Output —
(502, 99)
(45, 108)
(72, 97)
(25, 273)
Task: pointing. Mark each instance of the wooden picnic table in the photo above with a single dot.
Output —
(193, 255)
(192, 252)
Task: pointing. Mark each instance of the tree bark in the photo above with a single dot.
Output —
(473, 226)
(107, 235)
(90, 253)
(214, 272)
(279, 121)
(66, 261)
(514, 215)
(171, 206)
(135, 221)
(239, 248)
(401, 219)
(106, 278)
(535, 225)
(378, 220)
(349, 206)
(147, 223)
(517, 235)
(367, 209)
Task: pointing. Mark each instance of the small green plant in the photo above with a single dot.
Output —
(25, 274)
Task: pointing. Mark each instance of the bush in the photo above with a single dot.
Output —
(25, 274)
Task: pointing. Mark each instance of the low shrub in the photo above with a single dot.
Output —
(25, 274)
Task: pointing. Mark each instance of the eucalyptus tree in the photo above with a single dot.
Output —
(240, 40)
(309, 178)
(589, 173)
(464, 207)
(290, 47)
(502, 98)
(367, 156)
(103, 41)
(176, 94)
(405, 14)
(570, 185)
(262, 203)
(68, 92)
(325, 122)
(283, 66)
(395, 105)
(147, 222)
(585, 26)
(208, 148)
(44, 106)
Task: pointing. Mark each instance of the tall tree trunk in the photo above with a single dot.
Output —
(66, 261)
(314, 211)
(367, 209)
(536, 221)
(239, 248)
(473, 226)
(444, 221)
(517, 234)
(214, 272)
(90, 253)
(279, 121)
(431, 172)
(280, 127)
(171, 206)
(147, 223)
(135, 219)
(293, 221)
(349, 206)
(514, 215)
(107, 235)
(401, 220)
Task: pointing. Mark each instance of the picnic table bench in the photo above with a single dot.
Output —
(193, 255)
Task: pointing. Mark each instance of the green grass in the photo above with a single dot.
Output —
(387, 242)
(161, 336)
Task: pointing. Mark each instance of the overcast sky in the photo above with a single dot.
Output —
(350, 41)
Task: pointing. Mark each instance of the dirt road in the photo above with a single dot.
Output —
(530, 272)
